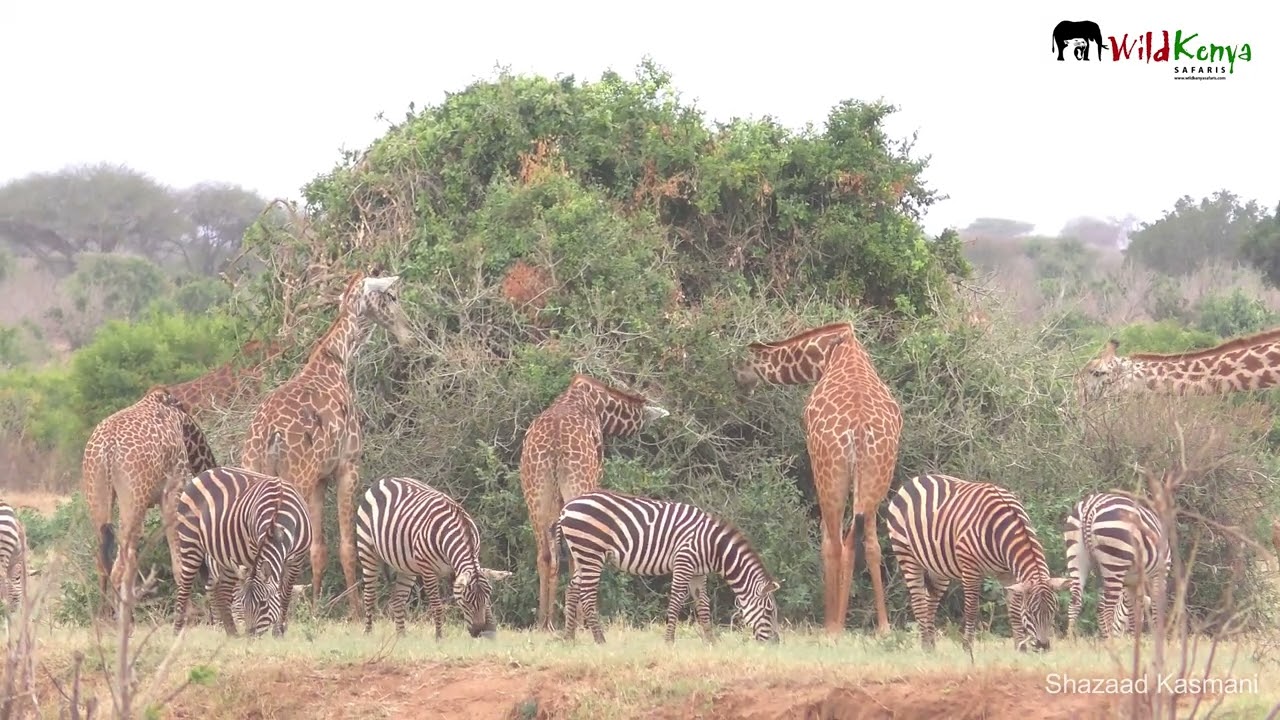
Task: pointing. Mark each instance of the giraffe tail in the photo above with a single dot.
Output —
(107, 545)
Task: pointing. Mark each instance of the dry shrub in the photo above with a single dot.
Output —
(528, 288)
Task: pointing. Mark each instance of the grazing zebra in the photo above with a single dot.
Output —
(232, 517)
(1100, 533)
(644, 536)
(421, 532)
(13, 558)
(943, 529)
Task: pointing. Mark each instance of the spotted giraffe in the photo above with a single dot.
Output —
(307, 431)
(853, 427)
(1241, 364)
(563, 457)
(225, 384)
(138, 456)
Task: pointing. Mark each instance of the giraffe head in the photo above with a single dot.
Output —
(620, 412)
(1038, 609)
(1103, 373)
(373, 301)
(797, 360)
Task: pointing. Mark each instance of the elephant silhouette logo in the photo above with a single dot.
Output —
(1082, 32)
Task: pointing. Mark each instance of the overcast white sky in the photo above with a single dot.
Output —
(264, 94)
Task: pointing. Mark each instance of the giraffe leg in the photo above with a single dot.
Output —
(319, 555)
(348, 481)
(100, 495)
(125, 567)
(832, 570)
(871, 551)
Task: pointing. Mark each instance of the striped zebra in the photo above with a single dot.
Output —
(231, 517)
(943, 529)
(645, 536)
(13, 558)
(1100, 533)
(421, 532)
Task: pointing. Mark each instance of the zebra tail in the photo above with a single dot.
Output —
(555, 534)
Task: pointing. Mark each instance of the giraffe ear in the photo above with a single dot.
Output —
(379, 284)
(654, 412)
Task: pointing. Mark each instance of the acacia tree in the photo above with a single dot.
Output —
(220, 213)
(91, 208)
(1193, 233)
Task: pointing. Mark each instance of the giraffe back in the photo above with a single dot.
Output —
(137, 449)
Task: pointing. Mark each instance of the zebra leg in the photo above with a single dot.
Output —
(187, 572)
(675, 600)
(972, 587)
(923, 606)
(1013, 600)
(1107, 600)
(589, 593)
(399, 596)
(369, 567)
(702, 606)
(291, 573)
(572, 607)
(223, 596)
(435, 606)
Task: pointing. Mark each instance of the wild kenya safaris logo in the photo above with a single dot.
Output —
(1188, 55)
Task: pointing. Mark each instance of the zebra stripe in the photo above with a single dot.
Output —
(232, 517)
(645, 536)
(1100, 533)
(943, 529)
(421, 532)
(13, 558)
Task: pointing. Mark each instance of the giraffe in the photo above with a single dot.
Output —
(138, 456)
(223, 385)
(562, 456)
(307, 430)
(853, 426)
(1251, 362)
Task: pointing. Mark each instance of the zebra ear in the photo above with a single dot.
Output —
(495, 575)
(773, 586)
(1059, 583)
(1017, 588)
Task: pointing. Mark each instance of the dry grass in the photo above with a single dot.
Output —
(528, 674)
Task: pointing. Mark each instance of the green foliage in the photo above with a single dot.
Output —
(198, 296)
(1261, 247)
(747, 205)
(1231, 314)
(1192, 234)
(56, 408)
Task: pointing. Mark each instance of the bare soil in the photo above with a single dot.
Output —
(502, 692)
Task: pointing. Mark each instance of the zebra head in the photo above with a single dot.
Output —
(1037, 610)
(261, 602)
(759, 610)
(473, 593)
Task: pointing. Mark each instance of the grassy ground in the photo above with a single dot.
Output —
(334, 670)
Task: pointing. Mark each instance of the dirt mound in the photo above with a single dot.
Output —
(513, 692)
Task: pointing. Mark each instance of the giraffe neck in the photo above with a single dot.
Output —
(618, 414)
(1242, 371)
(801, 360)
(344, 338)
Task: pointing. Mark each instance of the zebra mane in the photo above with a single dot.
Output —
(464, 529)
(271, 526)
(739, 538)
